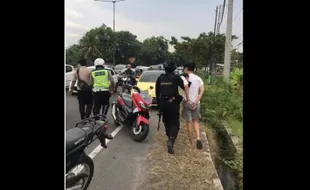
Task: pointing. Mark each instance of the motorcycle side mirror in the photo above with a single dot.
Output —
(151, 87)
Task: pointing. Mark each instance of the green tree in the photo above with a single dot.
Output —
(154, 50)
(73, 54)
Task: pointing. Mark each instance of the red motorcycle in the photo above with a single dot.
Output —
(133, 110)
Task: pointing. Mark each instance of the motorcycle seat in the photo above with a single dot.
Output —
(127, 99)
(73, 136)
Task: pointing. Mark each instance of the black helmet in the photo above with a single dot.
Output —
(170, 65)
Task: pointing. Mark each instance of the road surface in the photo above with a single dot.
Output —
(118, 167)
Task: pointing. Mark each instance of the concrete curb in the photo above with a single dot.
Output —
(237, 142)
(207, 152)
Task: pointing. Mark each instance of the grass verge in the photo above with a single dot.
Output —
(186, 169)
(236, 126)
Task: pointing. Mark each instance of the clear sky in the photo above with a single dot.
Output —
(146, 18)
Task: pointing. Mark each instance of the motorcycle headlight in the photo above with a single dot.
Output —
(142, 105)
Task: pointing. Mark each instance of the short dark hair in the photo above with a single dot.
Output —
(83, 62)
(185, 75)
(190, 66)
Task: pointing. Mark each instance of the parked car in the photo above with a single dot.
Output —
(69, 74)
(113, 73)
(147, 82)
(143, 68)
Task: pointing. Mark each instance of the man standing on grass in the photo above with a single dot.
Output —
(191, 108)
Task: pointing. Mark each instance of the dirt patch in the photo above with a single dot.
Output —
(186, 169)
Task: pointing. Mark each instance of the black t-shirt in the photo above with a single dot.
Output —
(129, 72)
(176, 81)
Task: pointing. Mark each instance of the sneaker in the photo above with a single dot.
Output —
(170, 147)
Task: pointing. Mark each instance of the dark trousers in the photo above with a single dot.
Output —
(85, 99)
(171, 117)
(101, 99)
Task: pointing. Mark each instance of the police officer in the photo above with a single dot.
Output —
(169, 99)
(103, 83)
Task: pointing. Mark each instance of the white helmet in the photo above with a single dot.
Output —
(99, 61)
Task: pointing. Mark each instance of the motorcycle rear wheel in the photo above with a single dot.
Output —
(86, 160)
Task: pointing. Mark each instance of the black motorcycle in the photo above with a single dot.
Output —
(79, 166)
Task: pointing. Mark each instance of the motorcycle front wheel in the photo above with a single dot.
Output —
(78, 180)
(140, 132)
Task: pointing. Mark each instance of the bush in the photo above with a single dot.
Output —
(221, 102)
(237, 80)
(224, 102)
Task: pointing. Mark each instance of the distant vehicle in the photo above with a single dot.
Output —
(70, 72)
(143, 68)
(160, 66)
(147, 81)
(123, 70)
(118, 68)
(110, 65)
(113, 73)
(179, 70)
(154, 67)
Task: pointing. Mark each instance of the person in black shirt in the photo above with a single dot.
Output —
(169, 99)
(129, 71)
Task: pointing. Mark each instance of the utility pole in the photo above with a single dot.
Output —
(112, 1)
(212, 60)
(227, 58)
(219, 20)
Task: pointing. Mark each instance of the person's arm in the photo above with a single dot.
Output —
(201, 91)
(157, 90)
(182, 83)
(91, 79)
(73, 81)
(111, 80)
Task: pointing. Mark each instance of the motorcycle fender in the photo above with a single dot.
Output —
(142, 119)
(135, 110)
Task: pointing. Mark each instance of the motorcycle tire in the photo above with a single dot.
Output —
(142, 135)
(87, 161)
(116, 123)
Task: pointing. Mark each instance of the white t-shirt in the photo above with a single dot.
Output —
(196, 83)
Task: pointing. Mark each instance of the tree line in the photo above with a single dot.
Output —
(103, 42)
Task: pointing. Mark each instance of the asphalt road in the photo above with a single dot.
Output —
(119, 167)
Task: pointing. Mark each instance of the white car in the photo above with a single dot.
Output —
(113, 73)
(69, 74)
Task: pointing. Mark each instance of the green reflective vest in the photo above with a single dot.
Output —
(101, 80)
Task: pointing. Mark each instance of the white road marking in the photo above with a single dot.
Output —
(99, 147)
(79, 168)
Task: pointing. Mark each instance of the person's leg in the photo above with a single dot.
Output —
(80, 97)
(116, 86)
(195, 120)
(105, 102)
(165, 117)
(97, 104)
(186, 115)
(174, 122)
(89, 103)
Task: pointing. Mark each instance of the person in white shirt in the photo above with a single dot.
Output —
(191, 108)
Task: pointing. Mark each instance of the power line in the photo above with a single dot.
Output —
(241, 43)
(237, 14)
(223, 11)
